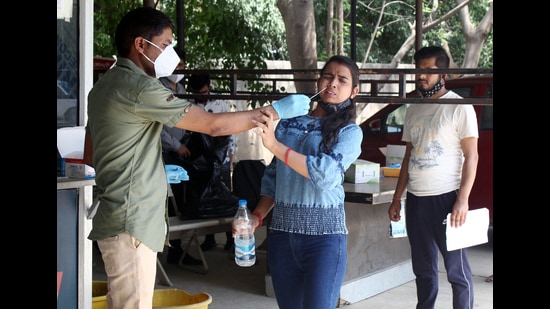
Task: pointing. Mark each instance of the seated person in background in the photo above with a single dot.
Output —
(200, 84)
(174, 81)
(173, 149)
(171, 138)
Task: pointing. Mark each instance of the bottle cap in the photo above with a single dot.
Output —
(242, 202)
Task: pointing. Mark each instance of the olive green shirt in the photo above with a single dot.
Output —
(126, 111)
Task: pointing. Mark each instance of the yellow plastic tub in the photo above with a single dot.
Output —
(99, 294)
(162, 299)
(180, 299)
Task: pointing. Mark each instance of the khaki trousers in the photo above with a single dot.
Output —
(131, 272)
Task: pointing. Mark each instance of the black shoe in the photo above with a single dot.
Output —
(208, 243)
(189, 260)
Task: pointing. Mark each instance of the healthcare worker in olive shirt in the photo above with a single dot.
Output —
(127, 108)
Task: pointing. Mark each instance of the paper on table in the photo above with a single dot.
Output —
(472, 232)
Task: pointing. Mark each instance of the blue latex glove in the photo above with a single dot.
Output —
(176, 173)
(292, 106)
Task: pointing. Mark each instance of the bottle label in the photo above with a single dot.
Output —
(243, 249)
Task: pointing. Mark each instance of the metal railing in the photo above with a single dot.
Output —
(374, 84)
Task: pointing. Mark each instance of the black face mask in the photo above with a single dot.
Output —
(331, 108)
(434, 90)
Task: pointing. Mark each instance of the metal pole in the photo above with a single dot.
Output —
(180, 24)
(419, 26)
(353, 34)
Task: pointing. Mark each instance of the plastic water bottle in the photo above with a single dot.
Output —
(245, 242)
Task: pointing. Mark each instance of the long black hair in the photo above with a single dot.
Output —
(333, 122)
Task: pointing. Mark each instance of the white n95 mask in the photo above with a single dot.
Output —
(175, 77)
(166, 62)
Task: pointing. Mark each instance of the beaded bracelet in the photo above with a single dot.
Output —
(286, 155)
(397, 199)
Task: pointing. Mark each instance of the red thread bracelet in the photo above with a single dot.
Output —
(260, 219)
(286, 155)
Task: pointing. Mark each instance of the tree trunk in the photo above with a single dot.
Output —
(301, 39)
(340, 24)
(474, 37)
(328, 29)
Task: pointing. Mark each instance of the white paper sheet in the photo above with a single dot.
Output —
(399, 229)
(472, 232)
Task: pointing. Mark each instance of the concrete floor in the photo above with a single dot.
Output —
(234, 287)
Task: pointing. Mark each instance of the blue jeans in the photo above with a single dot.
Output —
(426, 231)
(307, 270)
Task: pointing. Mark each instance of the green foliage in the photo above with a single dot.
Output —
(231, 34)
(234, 34)
(220, 34)
(486, 56)
(388, 38)
(107, 14)
(396, 26)
(450, 31)
(243, 34)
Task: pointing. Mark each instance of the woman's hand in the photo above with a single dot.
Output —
(266, 130)
(254, 222)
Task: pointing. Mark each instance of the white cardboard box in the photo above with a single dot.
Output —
(70, 144)
(363, 171)
(76, 168)
(395, 154)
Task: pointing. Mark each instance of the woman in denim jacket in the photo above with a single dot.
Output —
(303, 185)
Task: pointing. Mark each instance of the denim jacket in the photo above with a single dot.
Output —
(312, 206)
